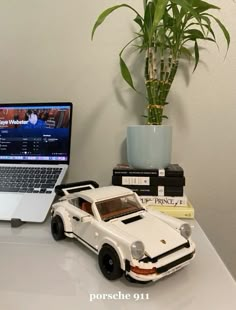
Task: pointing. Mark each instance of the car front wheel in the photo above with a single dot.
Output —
(109, 263)
(57, 228)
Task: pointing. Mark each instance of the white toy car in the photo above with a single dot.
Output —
(112, 222)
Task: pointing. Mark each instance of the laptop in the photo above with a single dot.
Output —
(34, 157)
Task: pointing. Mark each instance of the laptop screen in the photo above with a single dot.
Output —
(35, 132)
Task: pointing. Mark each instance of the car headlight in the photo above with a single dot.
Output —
(137, 249)
(185, 230)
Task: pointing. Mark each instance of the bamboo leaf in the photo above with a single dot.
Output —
(176, 14)
(106, 13)
(196, 52)
(208, 25)
(210, 39)
(145, 4)
(202, 6)
(126, 73)
(149, 16)
(223, 28)
(208, 28)
(168, 20)
(194, 33)
(206, 19)
(189, 9)
(159, 12)
(138, 20)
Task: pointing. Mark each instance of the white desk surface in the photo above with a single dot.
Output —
(39, 273)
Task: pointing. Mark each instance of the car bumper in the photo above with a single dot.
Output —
(152, 272)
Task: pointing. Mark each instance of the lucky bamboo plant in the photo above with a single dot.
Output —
(168, 30)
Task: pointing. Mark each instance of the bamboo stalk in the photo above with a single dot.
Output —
(171, 77)
(147, 79)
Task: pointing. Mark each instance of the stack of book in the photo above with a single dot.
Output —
(158, 189)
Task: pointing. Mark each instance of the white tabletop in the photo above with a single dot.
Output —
(40, 273)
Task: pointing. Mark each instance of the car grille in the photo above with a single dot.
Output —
(155, 259)
(175, 263)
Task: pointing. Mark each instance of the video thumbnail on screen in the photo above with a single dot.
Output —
(34, 118)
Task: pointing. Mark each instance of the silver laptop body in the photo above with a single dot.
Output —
(34, 142)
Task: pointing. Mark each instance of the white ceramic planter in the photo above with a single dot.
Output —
(149, 146)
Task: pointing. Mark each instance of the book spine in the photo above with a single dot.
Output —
(157, 190)
(179, 212)
(148, 181)
(122, 172)
(158, 173)
(173, 170)
(164, 201)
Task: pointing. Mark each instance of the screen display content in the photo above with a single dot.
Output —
(35, 133)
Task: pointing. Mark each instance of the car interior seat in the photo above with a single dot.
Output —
(87, 207)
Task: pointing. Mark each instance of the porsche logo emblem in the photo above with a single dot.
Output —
(163, 241)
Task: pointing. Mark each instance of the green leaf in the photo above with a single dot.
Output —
(139, 21)
(176, 14)
(145, 4)
(208, 25)
(168, 20)
(194, 33)
(188, 8)
(106, 13)
(126, 74)
(202, 6)
(149, 15)
(148, 22)
(160, 8)
(210, 39)
(223, 28)
(196, 52)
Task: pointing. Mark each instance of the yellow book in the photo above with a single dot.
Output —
(179, 212)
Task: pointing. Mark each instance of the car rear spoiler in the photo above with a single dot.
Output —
(70, 188)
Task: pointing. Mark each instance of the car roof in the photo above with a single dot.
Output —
(100, 193)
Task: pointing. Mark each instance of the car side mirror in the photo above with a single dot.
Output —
(86, 219)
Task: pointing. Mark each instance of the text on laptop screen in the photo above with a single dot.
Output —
(35, 132)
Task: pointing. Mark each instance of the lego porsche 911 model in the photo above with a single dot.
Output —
(128, 239)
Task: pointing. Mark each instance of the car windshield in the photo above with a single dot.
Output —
(117, 207)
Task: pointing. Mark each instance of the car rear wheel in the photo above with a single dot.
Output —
(57, 228)
(109, 263)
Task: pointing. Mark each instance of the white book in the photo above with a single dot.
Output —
(164, 200)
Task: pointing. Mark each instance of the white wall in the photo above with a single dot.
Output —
(46, 54)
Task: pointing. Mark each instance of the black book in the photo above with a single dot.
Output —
(138, 180)
(157, 190)
(173, 170)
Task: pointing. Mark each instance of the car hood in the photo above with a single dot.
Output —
(157, 236)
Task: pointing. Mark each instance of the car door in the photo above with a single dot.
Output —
(84, 224)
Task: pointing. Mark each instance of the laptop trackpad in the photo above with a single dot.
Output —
(8, 205)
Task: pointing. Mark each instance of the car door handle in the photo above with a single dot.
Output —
(76, 218)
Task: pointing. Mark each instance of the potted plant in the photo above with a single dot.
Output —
(168, 30)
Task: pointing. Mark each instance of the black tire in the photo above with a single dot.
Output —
(57, 228)
(109, 263)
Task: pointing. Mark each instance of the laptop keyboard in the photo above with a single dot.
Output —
(28, 180)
